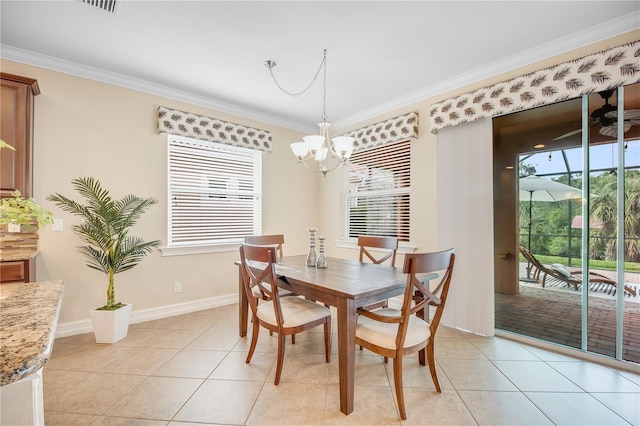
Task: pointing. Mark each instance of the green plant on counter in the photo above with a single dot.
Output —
(22, 211)
(109, 248)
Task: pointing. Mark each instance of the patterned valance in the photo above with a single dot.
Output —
(211, 129)
(392, 130)
(601, 71)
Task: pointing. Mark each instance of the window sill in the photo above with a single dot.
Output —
(352, 243)
(181, 251)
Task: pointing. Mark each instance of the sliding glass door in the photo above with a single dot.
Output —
(612, 237)
(571, 174)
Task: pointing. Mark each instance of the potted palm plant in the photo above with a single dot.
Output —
(108, 246)
(20, 219)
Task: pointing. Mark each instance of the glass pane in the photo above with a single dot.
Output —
(612, 318)
(631, 300)
(631, 303)
(550, 199)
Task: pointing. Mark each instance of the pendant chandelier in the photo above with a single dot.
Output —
(319, 153)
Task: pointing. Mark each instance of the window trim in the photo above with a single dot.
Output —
(352, 243)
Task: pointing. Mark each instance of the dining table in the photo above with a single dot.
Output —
(346, 285)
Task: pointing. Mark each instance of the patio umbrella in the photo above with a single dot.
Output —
(534, 188)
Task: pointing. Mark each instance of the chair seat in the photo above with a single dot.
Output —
(295, 311)
(384, 334)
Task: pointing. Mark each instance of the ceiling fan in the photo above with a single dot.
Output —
(607, 117)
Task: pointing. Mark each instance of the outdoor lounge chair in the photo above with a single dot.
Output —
(559, 272)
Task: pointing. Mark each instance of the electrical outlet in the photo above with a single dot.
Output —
(177, 287)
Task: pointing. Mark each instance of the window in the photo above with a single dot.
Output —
(377, 187)
(215, 193)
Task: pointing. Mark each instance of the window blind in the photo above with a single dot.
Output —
(377, 188)
(215, 193)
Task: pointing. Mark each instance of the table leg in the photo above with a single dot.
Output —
(347, 320)
(243, 307)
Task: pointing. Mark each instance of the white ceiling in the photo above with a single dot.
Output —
(381, 54)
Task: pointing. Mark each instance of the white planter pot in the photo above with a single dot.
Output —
(111, 326)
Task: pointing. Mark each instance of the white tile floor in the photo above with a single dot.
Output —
(190, 369)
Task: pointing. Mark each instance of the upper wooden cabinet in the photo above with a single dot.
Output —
(16, 167)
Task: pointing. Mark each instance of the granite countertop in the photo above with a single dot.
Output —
(28, 320)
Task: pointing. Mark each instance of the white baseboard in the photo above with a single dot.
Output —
(84, 326)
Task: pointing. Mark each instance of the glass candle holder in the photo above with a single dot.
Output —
(322, 259)
(312, 256)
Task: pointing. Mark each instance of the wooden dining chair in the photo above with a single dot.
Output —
(389, 245)
(276, 240)
(395, 333)
(284, 316)
(387, 248)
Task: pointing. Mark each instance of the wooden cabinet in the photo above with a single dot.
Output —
(16, 128)
(16, 167)
(17, 271)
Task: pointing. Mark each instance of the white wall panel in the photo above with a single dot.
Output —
(465, 222)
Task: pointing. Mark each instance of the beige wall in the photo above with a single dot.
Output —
(424, 169)
(87, 128)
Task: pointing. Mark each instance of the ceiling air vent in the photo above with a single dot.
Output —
(106, 5)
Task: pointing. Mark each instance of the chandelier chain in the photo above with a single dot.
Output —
(324, 86)
(271, 64)
(314, 149)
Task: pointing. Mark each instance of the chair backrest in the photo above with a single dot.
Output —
(257, 264)
(367, 241)
(419, 296)
(532, 259)
(276, 240)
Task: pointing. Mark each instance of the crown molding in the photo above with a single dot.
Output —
(55, 64)
(576, 40)
(603, 31)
